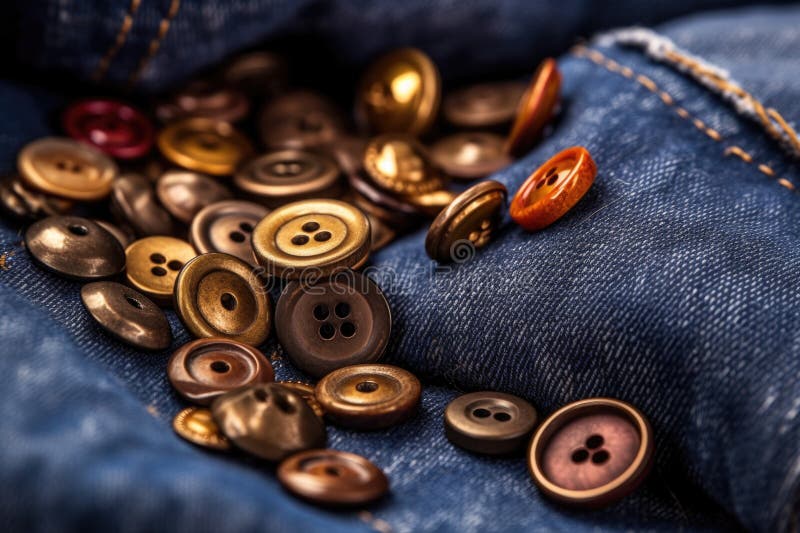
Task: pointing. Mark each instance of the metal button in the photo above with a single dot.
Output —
(380, 233)
(337, 322)
(489, 422)
(269, 421)
(66, 168)
(592, 452)
(397, 211)
(204, 99)
(536, 108)
(227, 227)
(369, 396)
(257, 73)
(348, 151)
(75, 248)
(467, 223)
(123, 236)
(400, 93)
(398, 163)
(204, 145)
(218, 295)
(152, 265)
(203, 369)
(184, 193)
(118, 129)
(312, 236)
(331, 477)
(134, 203)
(300, 120)
(484, 105)
(21, 202)
(307, 392)
(196, 425)
(127, 315)
(432, 203)
(470, 155)
(553, 189)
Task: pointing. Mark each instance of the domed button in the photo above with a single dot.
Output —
(152, 265)
(127, 315)
(536, 108)
(203, 369)
(399, 164)
(300, 120)
(467, 223)
(134, 203)
(196, 425)
(331, 477)
(470, 155)
(553, 189)
(592, 452)
(269, 421)
(489, 422)
(22, 202)
(218, 295)
(203, 99)
(118, 129)
(227, 227)
(184, 193)
(307, 392)
(484, 105)
(400, 93)
(337, 322)
(75, 248)
(312, 237)
(67, 168)
(369, 396)
(204, 145)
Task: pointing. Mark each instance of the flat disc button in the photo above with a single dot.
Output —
(196, 425)
(204, 145)
(133, 202)
(536, 108)
(470, 155)
(118, 129)
(207, 100)
(300, 120)
(22, 202)
(398, 163)
(153, 263)
(227, 227)
(484, 105)
(184, 193)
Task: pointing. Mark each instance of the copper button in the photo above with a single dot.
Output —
(134, 203)
(300, 120)
(184, 193)
(116, 128)
(399, 164)
(484, 105)
(536, 108)
(152, 265)
(204, 99)
(196, 425)
(123, 236)
(204, 145)
(470, 155)
(307, 392)
(257, 73)
(365, 195)
(227, 227)
(20, 201)
(432, 203)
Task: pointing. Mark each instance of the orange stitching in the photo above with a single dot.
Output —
(155, 44)
(738, 152)
(786, 183)
(766, 170)
(119, 41)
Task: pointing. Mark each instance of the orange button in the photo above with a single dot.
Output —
(536, 108)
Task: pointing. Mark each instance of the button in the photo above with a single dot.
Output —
(333, 323)
(432, 203)
(331, 477)
(218, 295)
(227, 227)
(75, 248)
(591, 453)
(123, 236)
(489, 422)
(300, 120)
(257, 73)
(203, 99)
(307, 392)
(204, 145)
(467, 223)
(204, 369)
(153, 263)
(484, 105)
(553, 189)
(400, 93)
(22, 202)
(134, 203)
(312, 237)
(66, 168)
(269, 421)
(380, 233)
(118, 129)
(399, 164)
(375, 201)
(196, 425)
(536, 108)
(470, 155)
(184, 193)
(348, 150)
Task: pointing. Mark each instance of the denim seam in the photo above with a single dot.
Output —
(378, 524)
(119, 41)
(155, 44)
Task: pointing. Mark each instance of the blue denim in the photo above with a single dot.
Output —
(672, 285)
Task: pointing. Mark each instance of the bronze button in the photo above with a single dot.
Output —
(134, 203)
(380, 233)
(489, 422)
(300, 120)
(152, 265)
(337, 322)
(123, 236)
(269, 421)
(75, 248)
(394, 210)
(331, 477)
(307, 392)
(204, 145)
(203, 369)
(312, 237)
(219, 295)
(400, 93)
(467, 223)
(22, 202)
(204, 99)
(67, 168)
(196, 425)
(227, 227)
(432, 203)
(592, 452)
(536, 108)
(399, 164)
(484, 105)
(184, 193)
(257, 73)
(470, 155)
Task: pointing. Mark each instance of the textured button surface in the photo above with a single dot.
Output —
(184, 193)
(152, 265)
(300, 120)
(470, 155)
(398, 163)
(20, 201)
(204, 99)
(591, 452)
(307, 392)
(536, 108)
(116, 128)
(483, 105)
(196, 425)
(489, 422)
(204, 145)
(133, 202)
(227, 227)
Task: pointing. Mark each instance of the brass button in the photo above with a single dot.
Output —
(218, 295)
(318, 236)
(489, 422)
(337, 322)
(470, 155)
(484, 105)
(152, 265)
(371, 199)
(257, 73)
(66, 168)
(196, 425)
(307, 392)
(369, 396)
(75, 248)
(400, 93)
(123, 236)
(467, 223)
(399, 164)
(21, 202)
(134, 203)
(592, 452)
(331, 477)
(432, 203)
(184, 193)
(127, 315)
(269, 421)
(536, 108)
(227, 227)
(204, 99)
(204, 145)
(203, 369)
(118, 129)
(300, 120)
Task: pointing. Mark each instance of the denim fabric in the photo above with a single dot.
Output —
(672, 285)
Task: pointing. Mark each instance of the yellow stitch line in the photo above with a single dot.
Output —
(647, 82)
(682, 113)
(699, 124)
(119, 41)
(627, 72)
(594, 55)
(714, 134)
(666, 98)
(738, 152)
(155, 44)
(612, 65)
(786, 127)
(786, 183)
(766, 170)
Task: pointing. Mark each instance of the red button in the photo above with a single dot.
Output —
(117, 129)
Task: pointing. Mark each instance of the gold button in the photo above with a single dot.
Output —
(227, 227)
(301, 120)
(204, 145)
(152, 265)
(323, 235)
(196, 425)
(307, 392)
(484, 105)
(470, 155)
(398, 163)
(67, 168)
(218, 295)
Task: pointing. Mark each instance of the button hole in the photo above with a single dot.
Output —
(321, 312)
(158, 259)
(78, 229)
(134, 302)
(342, 309)
(502, 417)
(228, 301)
(600, 457)
(552, 180)
(308, 227)
(220, 367)
(348, 329)
(175, 265)
(158, 271)
(284, 404)
(481, 413)
(332, 471)
(261, 395)
(550, 172)
(580, 455)
(299, 240)
(367, 386)
(246, 227)
(327, 331)
(237, 236)
(595, 441)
